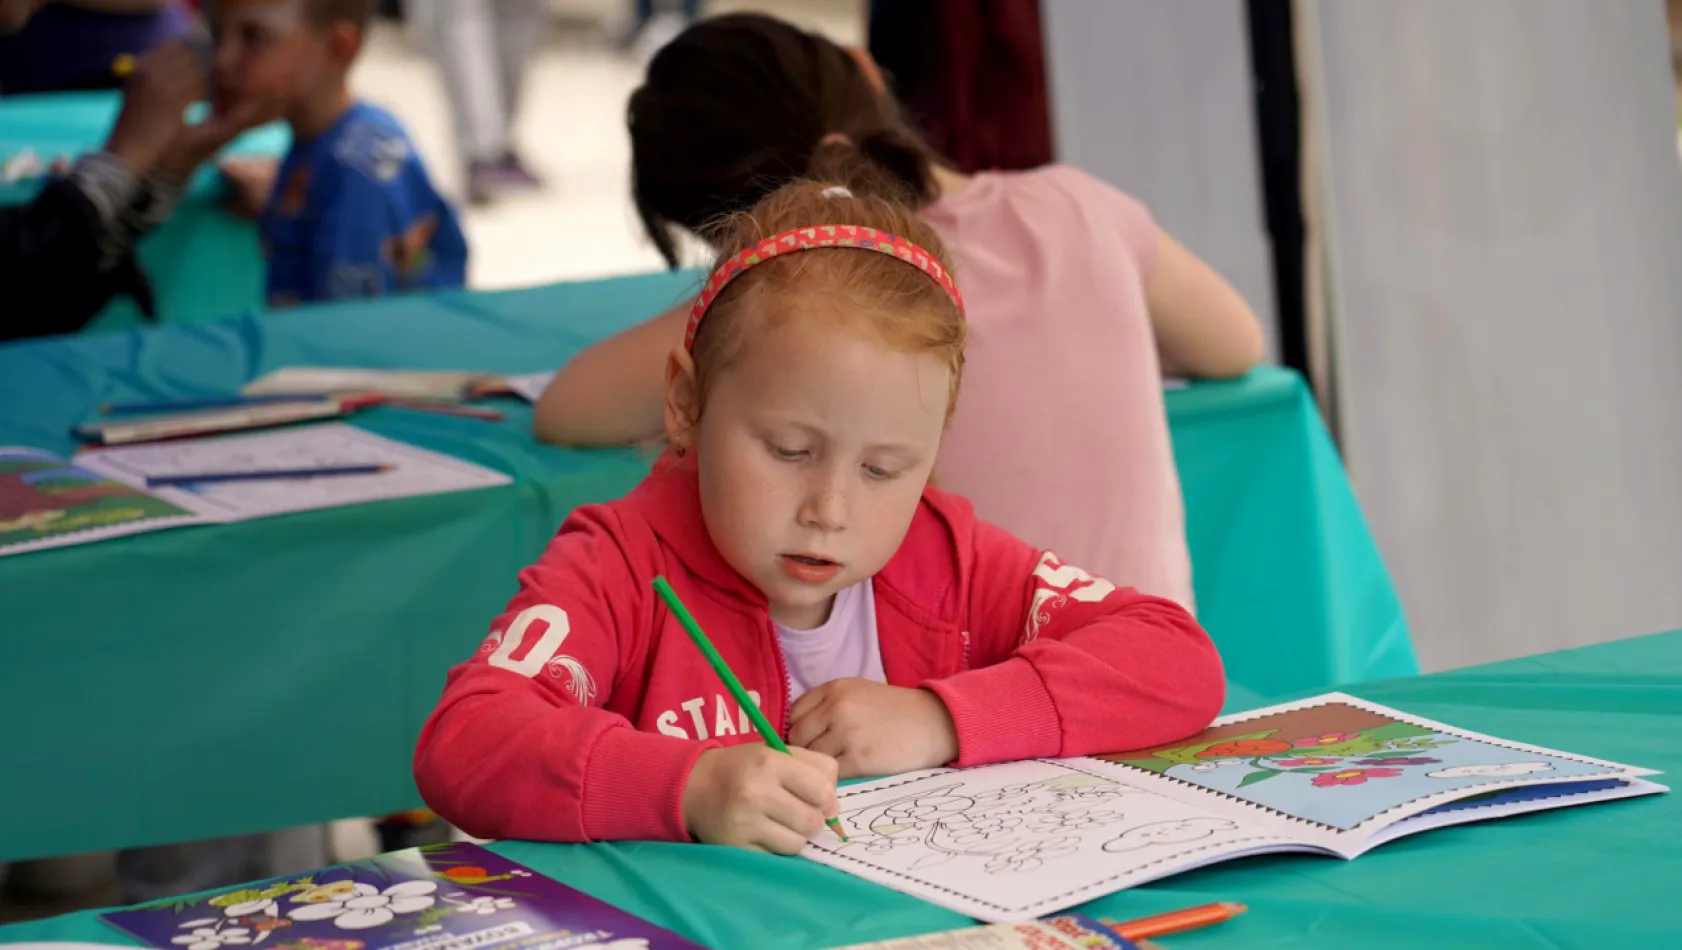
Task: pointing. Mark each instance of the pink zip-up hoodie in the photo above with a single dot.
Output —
(584, 710)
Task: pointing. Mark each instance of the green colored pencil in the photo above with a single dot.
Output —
(731, 683)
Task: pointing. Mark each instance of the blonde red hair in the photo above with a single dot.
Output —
(906, 309)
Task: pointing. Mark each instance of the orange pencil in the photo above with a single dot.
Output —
(1177, 921)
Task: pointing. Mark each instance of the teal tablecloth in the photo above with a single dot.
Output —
(1596, 876)
(203, 263)
(219, 680)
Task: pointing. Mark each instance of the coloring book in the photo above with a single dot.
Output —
(1332, 775)
(47, 501)
(440, 897)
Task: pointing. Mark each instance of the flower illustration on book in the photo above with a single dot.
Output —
(1310, 761)
(210, 938)
(367, 906)
(1352, 777)
(1330, 738)
(1244, 748)
(1400, 760)
(486, 905)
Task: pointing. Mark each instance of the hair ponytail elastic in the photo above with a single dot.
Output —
(850, 236)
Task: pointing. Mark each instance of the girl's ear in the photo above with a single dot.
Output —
(683, 400)
(346, 42)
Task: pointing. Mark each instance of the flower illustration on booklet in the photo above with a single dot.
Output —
(441, 897)
(1340, 764)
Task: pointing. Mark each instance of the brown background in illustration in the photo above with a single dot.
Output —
(1293, 725)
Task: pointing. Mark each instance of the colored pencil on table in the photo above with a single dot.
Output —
(206, 478)
(449, 409)
(1177, 921)
(731, 683)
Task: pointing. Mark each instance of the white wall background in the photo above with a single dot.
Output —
(1504, 212)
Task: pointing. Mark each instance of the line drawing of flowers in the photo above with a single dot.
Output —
(974, 831)
(209, 938)
(367, 906)
(1352, 777)
(1330, 738)
(887, 843)
(1078, 819)
(486, 905)
(1027, 857)
(1400, 760)
(1313, 760)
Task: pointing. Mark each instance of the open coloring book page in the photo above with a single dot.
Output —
(1020, 840)
(411, 471)
(1333, 775)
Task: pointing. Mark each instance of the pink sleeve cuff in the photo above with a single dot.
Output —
(633, 785)
(1003, 713)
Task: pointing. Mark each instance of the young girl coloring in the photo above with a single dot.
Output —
(879, 625)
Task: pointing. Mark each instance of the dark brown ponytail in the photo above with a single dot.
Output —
(738, 106)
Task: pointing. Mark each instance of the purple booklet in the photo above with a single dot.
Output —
(440, 897)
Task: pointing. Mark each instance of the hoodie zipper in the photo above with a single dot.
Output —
(788, 681)
(965, 635)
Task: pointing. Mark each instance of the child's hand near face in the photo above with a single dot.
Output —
(755, 797)
(165, 82)
(872, 729)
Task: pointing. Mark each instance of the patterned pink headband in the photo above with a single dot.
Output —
(810, 239)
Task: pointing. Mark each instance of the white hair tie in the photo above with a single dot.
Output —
(836, 191)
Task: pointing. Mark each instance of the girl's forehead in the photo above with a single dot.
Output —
(839, 367)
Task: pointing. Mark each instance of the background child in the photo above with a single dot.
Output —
(878, 623)
(352, 211)
(1078, 301)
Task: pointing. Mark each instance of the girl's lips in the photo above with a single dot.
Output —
(808, 569)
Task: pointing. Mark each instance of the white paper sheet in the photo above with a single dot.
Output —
(397, 384)
(529, 386)
(413, 471)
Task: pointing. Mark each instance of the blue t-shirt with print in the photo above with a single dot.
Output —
(354, 214)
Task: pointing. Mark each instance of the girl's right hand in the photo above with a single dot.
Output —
(755, 797)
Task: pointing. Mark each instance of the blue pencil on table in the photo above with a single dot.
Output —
(205, 478)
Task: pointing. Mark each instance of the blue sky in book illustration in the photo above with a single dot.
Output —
(1340, 765)
(444, 897)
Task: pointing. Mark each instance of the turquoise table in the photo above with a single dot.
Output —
(1598, 876)
(220, 680)
(203, 263)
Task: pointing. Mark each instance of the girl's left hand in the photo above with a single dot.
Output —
(872, 729)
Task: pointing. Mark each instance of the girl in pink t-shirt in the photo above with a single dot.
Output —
(1079, 303)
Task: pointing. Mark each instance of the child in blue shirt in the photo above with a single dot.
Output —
(352, 211)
